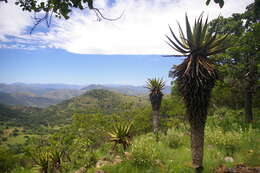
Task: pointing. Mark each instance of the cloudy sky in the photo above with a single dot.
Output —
(137, 34)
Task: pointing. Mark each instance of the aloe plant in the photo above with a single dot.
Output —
(196, 76)
(156, 85)
(42, 159)
(121, 135)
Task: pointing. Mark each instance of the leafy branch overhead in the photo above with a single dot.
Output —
(58, 8)
(219, 2)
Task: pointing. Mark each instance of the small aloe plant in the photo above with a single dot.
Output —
(121, 135)
(42, 159)
(55, 159)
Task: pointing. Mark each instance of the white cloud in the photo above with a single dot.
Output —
(141, 30)
(13, 21)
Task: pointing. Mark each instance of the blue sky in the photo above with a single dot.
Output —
(82, 50)
(59, 66)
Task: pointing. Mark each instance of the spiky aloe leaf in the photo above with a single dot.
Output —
(155, 85)
(121, 134)
(198, 39)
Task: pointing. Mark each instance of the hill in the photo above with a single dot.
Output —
(16, 88)
(27, 99)
(125, 89)
(91, 102)
(62, 94)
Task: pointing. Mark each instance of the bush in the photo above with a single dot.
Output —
(227, 119)
(173, 139)
(145, 151)
(7, 159)
(228, 141)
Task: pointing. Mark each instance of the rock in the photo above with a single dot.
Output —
(117, 160)
(229, 159)
(239, 168)
(221, 169)
(81, 170)
(127, 155)
(101, 163)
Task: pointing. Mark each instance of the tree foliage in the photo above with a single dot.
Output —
(239, 65)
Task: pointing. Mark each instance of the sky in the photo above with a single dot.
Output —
(82, 50)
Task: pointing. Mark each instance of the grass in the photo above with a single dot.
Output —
(172, 154)
(149, 156)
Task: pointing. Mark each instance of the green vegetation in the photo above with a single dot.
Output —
(92, 132)
(121, 135)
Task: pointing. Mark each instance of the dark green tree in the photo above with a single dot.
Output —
(240, 64)
(196, 77)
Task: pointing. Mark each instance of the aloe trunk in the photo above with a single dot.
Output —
(156, 100)
(197, 145)
(156, 120)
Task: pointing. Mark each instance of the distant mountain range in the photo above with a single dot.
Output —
(44, 95)
(26, 99)
(125, 89)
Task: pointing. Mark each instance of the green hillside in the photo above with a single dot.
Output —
(93, 101)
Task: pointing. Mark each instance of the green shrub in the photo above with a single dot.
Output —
(7, 159)
(145, 151)
(227, 119)
(21, 170)
(228, 141)
(173, 139)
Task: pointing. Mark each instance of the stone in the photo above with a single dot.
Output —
(127, 155)
(81, 170)
(101, 163)
(117, 160)
(229, 159)
(99, 171)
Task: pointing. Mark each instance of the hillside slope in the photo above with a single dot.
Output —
(91, 102)
(27, 99)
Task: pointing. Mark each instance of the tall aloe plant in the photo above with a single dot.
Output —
(155, 86)
(196, 76)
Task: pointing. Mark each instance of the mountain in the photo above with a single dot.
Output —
(26, 99)
(62, 94)
(37, 95)
(97, 101)
(14, 88)
(91, 102)
(48, 86)
(44, 95)
(125, 89)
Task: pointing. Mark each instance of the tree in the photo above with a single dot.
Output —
(156, 86)
(196, 77)
(242, 60)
